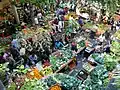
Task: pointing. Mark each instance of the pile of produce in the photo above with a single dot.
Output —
(98, 58)
(3, 74)
(110, 62)
(95, 80)
(88, 25)
(115, 48)
(81, 44)
(117, 34)
(34, 85)
(62, 57)
(102, 28)
(47, 71)
(117, 81)
(34, 74)
(30, 73)
(65, 81)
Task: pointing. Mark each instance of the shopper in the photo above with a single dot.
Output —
(15, 43)
(55, 24)
(33, 58)
(67, 39)
(107, 35)
(22, 51)
(113, 24)
(15, 53)
(92, 34)
(74, 46)
(52, 41)
(36, 21)
(80, 21)
(61, 23)
(2, 58)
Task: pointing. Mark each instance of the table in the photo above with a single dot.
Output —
(64, 65)
(69, 61)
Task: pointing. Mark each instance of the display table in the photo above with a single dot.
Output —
(88, 67)
(64, 65)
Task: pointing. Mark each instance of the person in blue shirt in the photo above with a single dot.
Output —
(33, 58)
(58, 44)
(15, 43)
(80, 21)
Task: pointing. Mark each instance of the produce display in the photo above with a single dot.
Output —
(34, 85)
(65, 81)
(34, 74)
(117, 81)
(95, 80)
(117, 34)
(3, 74)
(55, 87)
(110, 62)
(98, 58)
(47, 71)
(62, 57)
(100, 30)
(88, 25)
(81, 44)
(115, 48)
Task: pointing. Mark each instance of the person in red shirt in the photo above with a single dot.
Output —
(66, 10)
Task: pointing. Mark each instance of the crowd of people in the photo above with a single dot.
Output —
(29, 52)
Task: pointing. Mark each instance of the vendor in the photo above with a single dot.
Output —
(61, 23)
(67, 38)
(58, 44)
(101, 39)
(74, 46)
(55, 24)
(107, 47)
(92, 34)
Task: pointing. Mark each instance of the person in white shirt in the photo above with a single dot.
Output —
(22, 51)
(39, 15)
(36, 21)
(101, 38)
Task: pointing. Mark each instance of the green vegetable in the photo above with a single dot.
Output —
(110, 62)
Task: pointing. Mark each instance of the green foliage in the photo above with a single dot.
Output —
(117, 82)
(96, 78)
(34, 85)
(58, 61)
(115, 48)
(109, 5)
(20, 70)
(69, 82)
(105, 82)
(97, 57)
(12, 86)
(110, 62)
